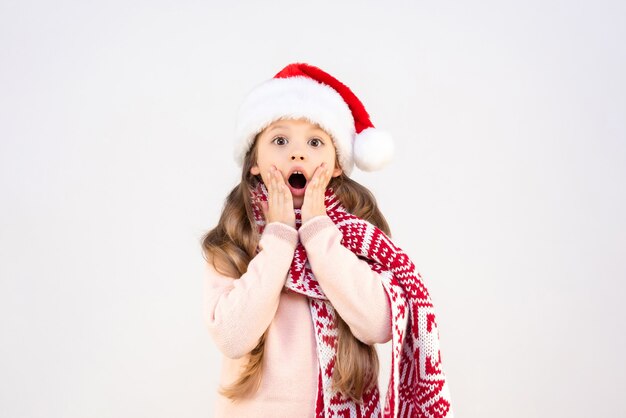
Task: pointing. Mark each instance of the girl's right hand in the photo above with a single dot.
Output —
(279, 205)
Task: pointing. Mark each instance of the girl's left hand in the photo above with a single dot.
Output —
(313, 203)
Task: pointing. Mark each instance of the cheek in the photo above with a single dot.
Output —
(331, 159)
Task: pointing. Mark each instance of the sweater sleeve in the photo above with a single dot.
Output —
(237, 311)
(354, 289)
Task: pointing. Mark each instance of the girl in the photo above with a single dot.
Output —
(302, 278)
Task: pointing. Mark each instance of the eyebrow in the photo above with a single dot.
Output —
(316, 128)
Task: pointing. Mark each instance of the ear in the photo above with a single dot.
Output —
(337, 171)
(254, 170)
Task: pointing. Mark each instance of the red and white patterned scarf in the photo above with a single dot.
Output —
(417, 385)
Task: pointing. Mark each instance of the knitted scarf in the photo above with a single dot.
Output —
(417, 385)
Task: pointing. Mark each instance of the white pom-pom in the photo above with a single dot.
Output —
(373, 149)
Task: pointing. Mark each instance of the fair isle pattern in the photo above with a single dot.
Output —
(417, 386)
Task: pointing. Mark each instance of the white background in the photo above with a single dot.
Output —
(507, 189)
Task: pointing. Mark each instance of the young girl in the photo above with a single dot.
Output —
(302, 278)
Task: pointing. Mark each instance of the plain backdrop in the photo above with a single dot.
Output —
(507, 190)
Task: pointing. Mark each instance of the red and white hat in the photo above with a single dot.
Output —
(303, 91)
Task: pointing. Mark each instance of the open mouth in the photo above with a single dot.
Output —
(297, 180)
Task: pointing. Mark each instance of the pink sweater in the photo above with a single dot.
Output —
(238, 311)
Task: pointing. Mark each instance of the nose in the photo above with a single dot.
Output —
(297, 156)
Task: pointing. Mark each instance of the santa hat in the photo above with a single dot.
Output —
(303, 91)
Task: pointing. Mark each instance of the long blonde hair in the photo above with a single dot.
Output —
(232, 244)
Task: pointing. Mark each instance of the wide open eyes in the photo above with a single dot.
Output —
(317, 141)
(281, 140)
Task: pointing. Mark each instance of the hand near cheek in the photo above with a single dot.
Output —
(279, 205)
(313, 204)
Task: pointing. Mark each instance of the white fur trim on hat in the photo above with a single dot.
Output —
(293, 98)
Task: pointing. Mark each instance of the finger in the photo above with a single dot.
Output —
(274, 194)
(273, 175)
(288, 197)
(270, 193)
(285, 200)
(309, 192)
(273, 181)
(278, 181)
(314, 178)
(278, 198)
(311, 186)
(319, 177)
(325, 171)
(278, 175)
(280, 204)
(320, 181)
(327, 176)
(269, 182)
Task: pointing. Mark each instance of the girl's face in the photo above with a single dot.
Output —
(294, 145)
